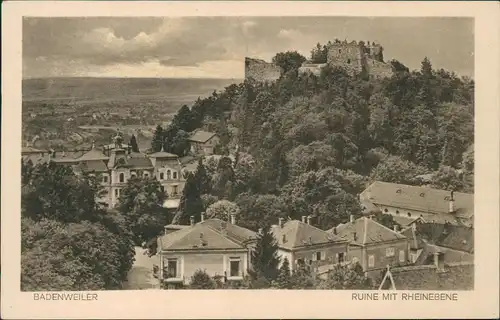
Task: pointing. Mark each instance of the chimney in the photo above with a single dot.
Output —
(351, 217)
(439, 261)
(280, 222)
(309, 219)
(396, 228)
(452, 203)
(202, 216)
(304, 219)
(233, 218)
(191, 220)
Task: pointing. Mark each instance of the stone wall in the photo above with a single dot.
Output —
(378, 70)
(312, 68)
(261, 70)
(346, 55)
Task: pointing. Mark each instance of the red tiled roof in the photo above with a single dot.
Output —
(418, 198)
(367, 231)
(299, 234)
(201, 136)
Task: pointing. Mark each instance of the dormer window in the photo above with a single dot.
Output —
(398, 191)
(422, 194)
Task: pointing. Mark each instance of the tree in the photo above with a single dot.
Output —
(184, 119)
(448, 178)
(386, 220)
(223, 210)
(257, 211)
(346, 277)
(133, 144)
(157, 142)
(396, 170)
(203, 178)
(265, 256)
(191, 203)
(201, 280)
(302, 279)
(283, 281)
(141, 203)
(288, 61)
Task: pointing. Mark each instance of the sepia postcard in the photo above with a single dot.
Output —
(250, 160)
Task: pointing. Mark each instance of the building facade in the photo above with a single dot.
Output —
(431, 205)
(373, 245)
(221, 249)
(203, 143)
(304, 245)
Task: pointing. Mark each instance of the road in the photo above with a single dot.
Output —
(141, 275)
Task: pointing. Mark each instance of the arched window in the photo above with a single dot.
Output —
(175, 175)
(122, 177)
(169, 175)
(161, 176)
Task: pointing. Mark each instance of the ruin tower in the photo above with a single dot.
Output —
(347, 55)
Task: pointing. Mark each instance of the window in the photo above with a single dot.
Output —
(401, 256)
(122, 177)
(234, 267)
(318, 256)
(371, 261)
(348, 61)
(389, 252)
(341, 257)
(161, 176)
(175, 175)
(162, 188)
(169, 173)
(300, 262)
(172, 268)
(105, 179)
(116, 192)
(340, 51)
(175, 190)
(146, 174)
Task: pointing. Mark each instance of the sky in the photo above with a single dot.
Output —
(215, 47)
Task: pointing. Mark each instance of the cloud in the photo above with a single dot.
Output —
(73, 46)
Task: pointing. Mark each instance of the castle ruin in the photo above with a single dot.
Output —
(355, 58)
(261, 70)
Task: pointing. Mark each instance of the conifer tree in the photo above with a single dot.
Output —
(265, 256)
(191, 203)
(284, 276)
(133, 144)
(204, 181)
(157, 142)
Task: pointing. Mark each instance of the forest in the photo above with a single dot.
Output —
(303, 145)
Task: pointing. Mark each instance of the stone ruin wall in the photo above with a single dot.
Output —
(378, 70)
(261, 70)
(314, 68)
(346, 55)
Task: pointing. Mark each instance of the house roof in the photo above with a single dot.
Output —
(448, 235)
(458, 276)
(299, 234)
(139, 160)
(93, 165)
(450, 255)
(418, 198)
(233, 231)
(199, 236)
(365, 231)
(412, 235)
(93, 154)
(163, 154)
(30, 149)
(405, 221)
(201, 136)
(35, 158)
